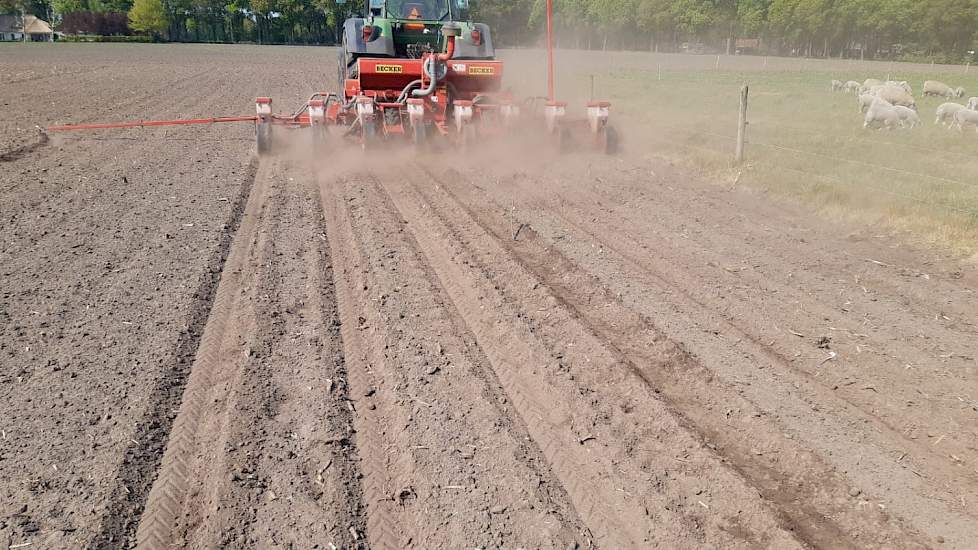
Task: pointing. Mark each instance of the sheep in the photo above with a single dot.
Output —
(903, 84)
(870, 82)
(959, 92)
(973, 103)
(852, 87)
(881, 114)
(908, 117)
(945, 113)
(940, 89)
(896, 96)
(864, 101)
(965, 116)
(837, 85)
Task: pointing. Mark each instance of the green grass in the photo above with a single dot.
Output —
(804, 142)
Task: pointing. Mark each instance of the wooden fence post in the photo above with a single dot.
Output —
(742, 124)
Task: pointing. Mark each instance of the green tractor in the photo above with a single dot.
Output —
(409, 29)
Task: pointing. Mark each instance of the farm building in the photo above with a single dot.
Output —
(14, 27)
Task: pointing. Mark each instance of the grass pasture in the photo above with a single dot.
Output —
(804, 141)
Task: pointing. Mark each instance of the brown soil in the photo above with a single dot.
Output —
(201, 349)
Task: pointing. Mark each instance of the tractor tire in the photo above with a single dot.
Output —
(263, 136)
(346, 67)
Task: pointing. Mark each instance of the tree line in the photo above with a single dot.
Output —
(940, 30)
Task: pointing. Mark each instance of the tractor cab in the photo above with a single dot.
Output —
(410, 29)
(421, 10)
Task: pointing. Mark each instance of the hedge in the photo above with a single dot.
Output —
(97, 38)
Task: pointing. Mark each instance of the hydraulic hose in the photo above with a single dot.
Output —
(407, 90)
(430, 66)
(431, 62)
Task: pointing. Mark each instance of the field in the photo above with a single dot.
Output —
(510, 349)
(804, 141)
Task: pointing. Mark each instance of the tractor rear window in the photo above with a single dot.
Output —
(426, 10)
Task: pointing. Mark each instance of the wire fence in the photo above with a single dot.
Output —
(755, 143)
(766, 155)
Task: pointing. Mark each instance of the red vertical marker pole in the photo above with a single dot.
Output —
(550, 50)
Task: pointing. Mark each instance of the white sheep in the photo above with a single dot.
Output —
(945, 113)
(959, 91)
(973, 103)
(908, 117)
(870, 82)
(852, 87)
(837, 85)
(882, 115)
(964, 117)
(864, 101)
(903, 84)
(940, 89)
(895, 95)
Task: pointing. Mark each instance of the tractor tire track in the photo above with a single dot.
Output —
(167, 496)
(281, 467)
(429, 398)
(817, 507)
(142, 458)
(563, 420)
(385, 527)
(923, 491)
(878, 408)
(571, 217)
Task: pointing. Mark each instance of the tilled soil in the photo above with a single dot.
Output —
(203, 349)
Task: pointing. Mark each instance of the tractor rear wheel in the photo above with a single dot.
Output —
(346, 67)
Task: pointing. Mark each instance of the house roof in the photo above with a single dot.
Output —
(37, 26)
(13, 23)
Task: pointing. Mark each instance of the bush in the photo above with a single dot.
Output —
(107, 23)
(99, 38)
